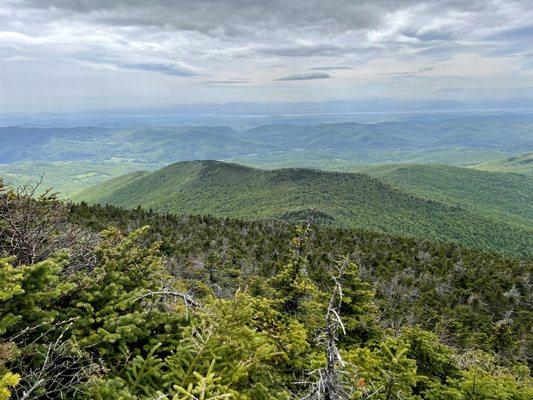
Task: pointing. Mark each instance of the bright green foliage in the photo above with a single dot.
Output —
(10, 285)
(10, 280)
(124, 326)
(112, 311)
(28, 294)
(482, 378)
(143, 375)
(240, 346)
(28, 298)
(206, 388)
(434, 359)
(496, 384)
(385, 370)
(252, 345)
(112, 314)
(7, 381)
(418, 366)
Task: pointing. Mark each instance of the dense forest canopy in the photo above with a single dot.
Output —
(104, 303)
(485, 210)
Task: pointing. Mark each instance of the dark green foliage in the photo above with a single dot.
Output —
(360, 313)
(206, 308)
(463, 295)
(291, 284)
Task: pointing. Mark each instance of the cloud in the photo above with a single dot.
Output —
(330, 68)
(18, 58)
(308, 50)
(229, 17)
(408, 73)
(305, 76)
(262, 40)
(423, 20)
(228, 82)
(166, 69)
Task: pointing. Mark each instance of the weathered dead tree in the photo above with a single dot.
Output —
(332, 388)
(187, 299)
(61, 371)
(33, 226)
(327, 385)
(29, 222)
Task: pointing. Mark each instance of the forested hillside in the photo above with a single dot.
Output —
(480, 216)
(67, 177)
(522, 164)
(507, 196)
(104, 303)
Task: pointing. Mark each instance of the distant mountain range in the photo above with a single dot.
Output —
(486, 210)
(187, 113)
(459, 140)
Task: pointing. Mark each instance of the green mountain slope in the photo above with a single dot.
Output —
(522, 164)
(66, 177)
(508, 197)
(344, 199)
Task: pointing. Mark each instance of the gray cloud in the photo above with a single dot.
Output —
(228, 82)
(259, 39)
(408, 73)
(258, 28)
(316, 50)
(230, 17)
(330, 68)
(167, 69)
(305, 76)
(249, 18)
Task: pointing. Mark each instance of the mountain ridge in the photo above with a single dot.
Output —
(345, 199)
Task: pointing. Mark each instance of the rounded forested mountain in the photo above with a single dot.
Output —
(484, 210)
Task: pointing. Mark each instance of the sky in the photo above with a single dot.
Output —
(69, 55)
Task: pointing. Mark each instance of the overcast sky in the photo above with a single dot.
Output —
(59, 55)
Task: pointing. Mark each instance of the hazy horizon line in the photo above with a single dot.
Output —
(518, 104)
